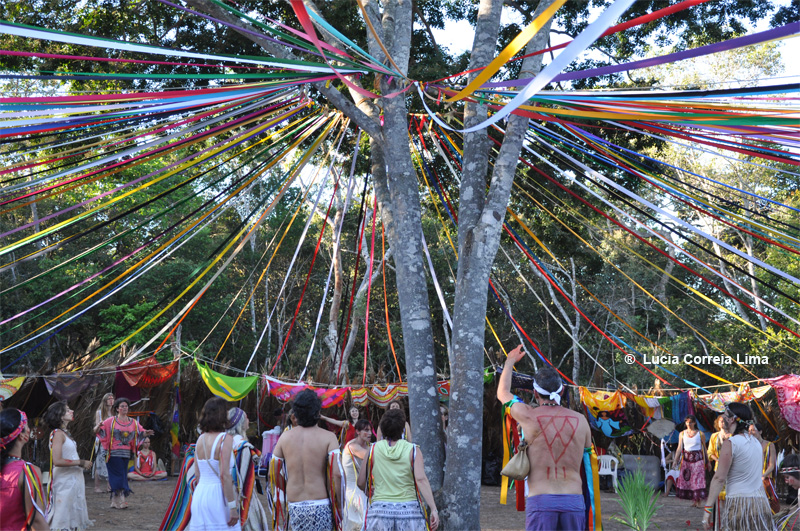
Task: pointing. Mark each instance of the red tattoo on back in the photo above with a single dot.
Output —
(559, 430)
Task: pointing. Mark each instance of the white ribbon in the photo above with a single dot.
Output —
(71, 38)
(543, 78)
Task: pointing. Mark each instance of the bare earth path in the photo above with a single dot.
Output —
(148, 504)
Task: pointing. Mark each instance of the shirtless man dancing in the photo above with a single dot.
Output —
(556, 440)
(305, 451)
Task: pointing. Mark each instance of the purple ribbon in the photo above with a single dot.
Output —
(747, 40)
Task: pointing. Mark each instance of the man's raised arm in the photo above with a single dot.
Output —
(504, 394)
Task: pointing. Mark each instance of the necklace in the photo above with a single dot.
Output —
(551, 404)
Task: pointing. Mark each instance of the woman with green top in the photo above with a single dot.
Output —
(393, 475)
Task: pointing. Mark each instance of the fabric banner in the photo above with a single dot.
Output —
(122, 389)
(68, 386)
(606, 412)
(677, 407)
(148, 372)
(787, 387)
(285, 391)
(231, 388)
(716, 401)
(381, 395)
(674, 408)
(9, 386)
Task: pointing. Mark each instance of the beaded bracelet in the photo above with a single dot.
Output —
(709, 509)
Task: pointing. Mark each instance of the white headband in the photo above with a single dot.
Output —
(555, 395)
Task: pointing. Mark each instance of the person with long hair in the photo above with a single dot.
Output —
(393, 475)
(147, 465)
(740, 470)
(99, 471)
(715, 442)
(395, 404)
(252, 514)
(120, 435)
(691, 452)
(353, 456)
(214, 502)
(21, 499)
(348, 427)
(67, 507)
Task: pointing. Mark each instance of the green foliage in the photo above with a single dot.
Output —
(118, 320)
(638, 499)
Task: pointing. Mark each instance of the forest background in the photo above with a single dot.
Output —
(594, 261)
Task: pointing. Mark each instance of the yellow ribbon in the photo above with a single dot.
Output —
(509, 51)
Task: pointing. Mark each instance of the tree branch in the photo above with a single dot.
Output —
(336, 98)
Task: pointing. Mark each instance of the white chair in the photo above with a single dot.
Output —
(608, 467)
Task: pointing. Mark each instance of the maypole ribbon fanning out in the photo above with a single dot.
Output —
(176, 203)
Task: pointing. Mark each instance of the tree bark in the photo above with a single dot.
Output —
(480, 219)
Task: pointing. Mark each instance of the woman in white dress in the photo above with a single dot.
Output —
(256, 517)
(67, 507)
(100, 472)
(214, 502)
(352, 458)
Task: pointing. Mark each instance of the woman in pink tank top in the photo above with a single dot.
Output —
(21, 500)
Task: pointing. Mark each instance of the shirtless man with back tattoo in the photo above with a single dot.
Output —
(556, 437)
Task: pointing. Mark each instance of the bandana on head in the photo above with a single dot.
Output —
(8, 439)
(737, 418)
(555, 395)
(235, 415)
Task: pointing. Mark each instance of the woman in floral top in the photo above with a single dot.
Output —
(118, 435)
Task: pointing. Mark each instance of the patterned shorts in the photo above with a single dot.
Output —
(310, 515)
(400, 516)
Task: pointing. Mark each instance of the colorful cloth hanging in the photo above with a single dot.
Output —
(787, 387)
(381, 395)
(179, 509)
(68, 386)
(148, 372)
(231, 388)
(606, 412)
(716, 401)
(9, 386)
(285, 391)
(650, 405)
(677, 407)
(174, 429)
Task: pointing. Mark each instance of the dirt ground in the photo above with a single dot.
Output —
(150, 500)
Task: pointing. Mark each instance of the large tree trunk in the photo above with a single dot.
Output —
(398, 198)
(480, 219)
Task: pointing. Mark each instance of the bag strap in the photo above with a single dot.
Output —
(416, 490)
(34, 486)
(220, 438)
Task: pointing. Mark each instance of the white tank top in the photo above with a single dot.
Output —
(691, 444)
(744, 476)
